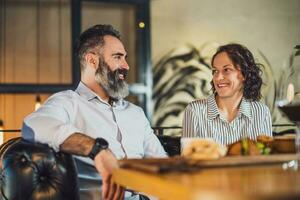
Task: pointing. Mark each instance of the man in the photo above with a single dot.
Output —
(233, 112)
(94, 122)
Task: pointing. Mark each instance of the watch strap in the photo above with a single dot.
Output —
(99, 145)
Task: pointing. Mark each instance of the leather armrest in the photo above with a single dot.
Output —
(35, 171)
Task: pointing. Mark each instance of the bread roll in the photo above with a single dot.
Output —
(205, 149)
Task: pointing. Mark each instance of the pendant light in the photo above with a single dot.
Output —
(37, 98)
(2, 111)
(1, 119)
(1, 133)
(1, 125)
(60, 41)
(38, 102)
(2, 66)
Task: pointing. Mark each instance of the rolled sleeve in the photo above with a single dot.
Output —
(50, 124)
(47, 130)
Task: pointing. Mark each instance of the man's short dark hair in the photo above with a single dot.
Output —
(94, 37)
(243, 58)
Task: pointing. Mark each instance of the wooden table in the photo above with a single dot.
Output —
(219, 183)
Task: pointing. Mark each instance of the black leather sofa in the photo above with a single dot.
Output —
(33, 171)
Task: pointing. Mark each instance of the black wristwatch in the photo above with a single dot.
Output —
(99, 145)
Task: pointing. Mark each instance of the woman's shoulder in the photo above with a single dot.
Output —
(197, 104)
(259, 106)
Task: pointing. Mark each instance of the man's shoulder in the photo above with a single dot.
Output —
(65, 96)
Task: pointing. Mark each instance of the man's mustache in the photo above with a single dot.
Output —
(124, 72)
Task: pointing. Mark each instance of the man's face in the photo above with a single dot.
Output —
(112, 68)
(227, 79)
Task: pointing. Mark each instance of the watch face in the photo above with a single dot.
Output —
(102, 143)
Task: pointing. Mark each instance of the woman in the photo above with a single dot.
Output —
(233, 112)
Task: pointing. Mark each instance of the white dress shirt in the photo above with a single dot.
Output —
(123, 124)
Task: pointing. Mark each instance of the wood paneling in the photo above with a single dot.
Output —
(35, 47)
(36, 42)
(14, 107)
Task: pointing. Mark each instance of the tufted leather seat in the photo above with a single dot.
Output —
(33, 171)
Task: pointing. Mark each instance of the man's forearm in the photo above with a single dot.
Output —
(78, 144)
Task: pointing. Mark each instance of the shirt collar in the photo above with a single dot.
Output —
(212, 108)
(213, 111)
(245, 108)
(89, 95)
(86, 92)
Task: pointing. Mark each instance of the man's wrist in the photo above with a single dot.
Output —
(99, 145)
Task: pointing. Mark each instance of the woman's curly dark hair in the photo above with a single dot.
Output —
(243, 59)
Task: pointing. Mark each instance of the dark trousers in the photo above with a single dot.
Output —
(90, 183)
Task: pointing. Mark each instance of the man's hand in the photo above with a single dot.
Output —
(105, 163)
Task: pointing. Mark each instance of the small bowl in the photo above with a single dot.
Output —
(284, 144)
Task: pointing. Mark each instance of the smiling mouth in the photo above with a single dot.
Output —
(222, 85)
(122, 73)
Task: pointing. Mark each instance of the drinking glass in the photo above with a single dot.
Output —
(292, 111)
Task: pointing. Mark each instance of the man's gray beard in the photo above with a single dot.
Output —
(110, 82)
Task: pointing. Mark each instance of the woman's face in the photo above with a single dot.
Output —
(227, 78)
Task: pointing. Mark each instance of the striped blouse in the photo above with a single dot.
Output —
(202, 119)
